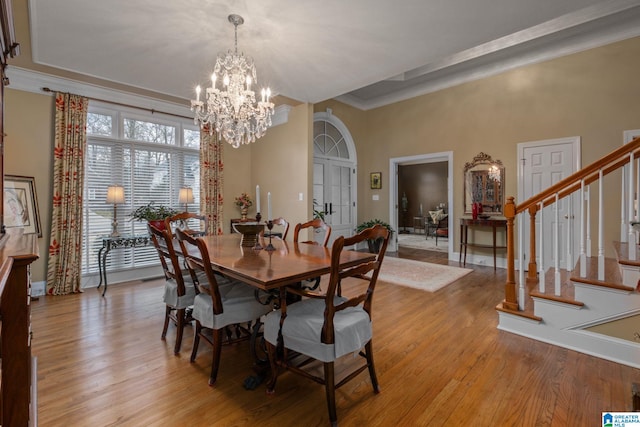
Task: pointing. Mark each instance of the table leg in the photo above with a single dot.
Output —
(461, 241)
(100, 266)
(104, 270)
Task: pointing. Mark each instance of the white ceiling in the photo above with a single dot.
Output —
(365, 52)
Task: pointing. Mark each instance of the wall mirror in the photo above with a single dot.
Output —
(484, 183)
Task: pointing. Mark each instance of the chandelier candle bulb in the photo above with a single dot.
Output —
(198, 89)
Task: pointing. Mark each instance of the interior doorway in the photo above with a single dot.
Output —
(334, 172)
(396, 212)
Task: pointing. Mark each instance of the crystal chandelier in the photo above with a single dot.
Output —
(232, 110)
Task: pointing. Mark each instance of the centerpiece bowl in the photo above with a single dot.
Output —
(250, 232)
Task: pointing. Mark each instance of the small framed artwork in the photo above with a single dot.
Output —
(21, 204)
(376, 180)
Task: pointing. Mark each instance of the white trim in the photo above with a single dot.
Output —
(394, 162)
(592, 27)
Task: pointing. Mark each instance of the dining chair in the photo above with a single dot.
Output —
(283, 225)
(326, 326)
(318, 226)
(221, 303)
(442, 228)
(187, 220)
(179, 287)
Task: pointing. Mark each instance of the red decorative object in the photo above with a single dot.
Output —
(474, 211)
(159, 224)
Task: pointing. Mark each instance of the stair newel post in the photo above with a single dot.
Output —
(510, 300)
(533, 268)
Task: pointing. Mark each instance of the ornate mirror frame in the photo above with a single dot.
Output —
(484, 183)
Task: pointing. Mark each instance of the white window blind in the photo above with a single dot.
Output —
(152, 158)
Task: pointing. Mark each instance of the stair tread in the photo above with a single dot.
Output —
(613, 279)
(622, 254)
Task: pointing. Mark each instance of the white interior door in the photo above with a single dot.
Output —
(333, 192)
(542, 164)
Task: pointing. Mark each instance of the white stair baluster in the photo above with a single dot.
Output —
(624, 203)
(541, 274)
(601, 226)
(569, 225)
(556, 251)
(632, 238)
(583, 256)
(587, 196)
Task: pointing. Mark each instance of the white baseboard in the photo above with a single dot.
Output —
(38, 288)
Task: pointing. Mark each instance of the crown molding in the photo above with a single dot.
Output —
(34, 81)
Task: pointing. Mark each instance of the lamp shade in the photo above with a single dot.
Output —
(115, 194)
(186, 195)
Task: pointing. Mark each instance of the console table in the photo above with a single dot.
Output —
(118, 242)
(494, 224)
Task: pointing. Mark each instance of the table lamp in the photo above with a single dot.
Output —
(186, 197)
(115, 195)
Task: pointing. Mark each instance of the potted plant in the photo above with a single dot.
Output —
(374, 245)
(153, 214)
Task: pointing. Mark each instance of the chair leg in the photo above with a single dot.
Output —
(368, 348)
(215, 360)
(330, 389)
(196, 341)
(166, 322)
(272, 353)
(180, 316)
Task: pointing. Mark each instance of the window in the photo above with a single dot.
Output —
(152, 157)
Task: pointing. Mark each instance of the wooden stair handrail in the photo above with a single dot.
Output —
(607, 164)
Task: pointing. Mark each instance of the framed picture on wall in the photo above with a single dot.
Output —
(376, 180)
(21, 204)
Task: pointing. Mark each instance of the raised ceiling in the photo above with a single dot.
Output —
(367, 53)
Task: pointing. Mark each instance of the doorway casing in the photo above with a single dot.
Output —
(394, 162)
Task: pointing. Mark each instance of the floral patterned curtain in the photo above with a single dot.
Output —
(211, 179)
(65, 248)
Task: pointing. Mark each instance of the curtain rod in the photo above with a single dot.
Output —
(151, 110)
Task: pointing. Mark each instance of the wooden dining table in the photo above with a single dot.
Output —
(289, 263)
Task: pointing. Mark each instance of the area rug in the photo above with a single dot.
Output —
(418, 241)
(419, 275)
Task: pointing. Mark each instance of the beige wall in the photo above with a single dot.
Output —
(27, 152)
(591, 94)
(282, 164)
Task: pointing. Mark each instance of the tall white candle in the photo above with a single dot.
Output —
(269, 206)
(257, 199)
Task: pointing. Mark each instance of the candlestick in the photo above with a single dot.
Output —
(257, 198)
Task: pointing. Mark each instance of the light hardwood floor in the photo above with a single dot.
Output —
(440, 362)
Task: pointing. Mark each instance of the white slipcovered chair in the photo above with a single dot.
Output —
(327, 326)
(221, 303)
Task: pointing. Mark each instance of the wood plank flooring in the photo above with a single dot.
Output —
(440, 362)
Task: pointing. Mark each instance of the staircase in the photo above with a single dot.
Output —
(554, 305)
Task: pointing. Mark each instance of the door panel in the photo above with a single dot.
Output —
(544, 164)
